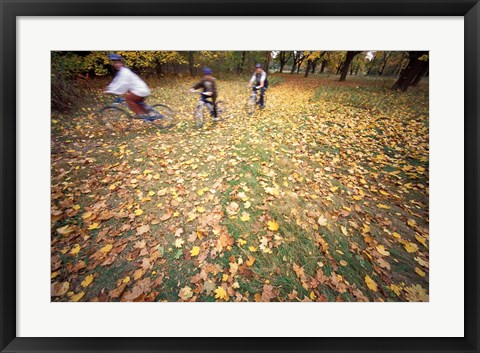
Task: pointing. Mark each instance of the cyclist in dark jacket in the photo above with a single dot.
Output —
(259, 81)
(209, 86)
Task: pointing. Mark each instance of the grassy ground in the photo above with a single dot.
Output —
(322, 196)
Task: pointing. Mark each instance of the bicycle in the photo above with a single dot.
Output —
(252, 101)
(117, 114)
(198, 114)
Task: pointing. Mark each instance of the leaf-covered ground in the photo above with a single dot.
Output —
(322, 196)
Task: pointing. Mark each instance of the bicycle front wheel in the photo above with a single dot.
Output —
(114, 119)
(198, 118)
(250, 105)
(165, 117)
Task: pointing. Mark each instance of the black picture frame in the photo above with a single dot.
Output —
(9, 342)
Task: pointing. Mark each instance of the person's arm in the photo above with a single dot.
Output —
(196, 86)
(252, 80)
(119, 85)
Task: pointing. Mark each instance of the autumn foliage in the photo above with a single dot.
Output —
(322, 196)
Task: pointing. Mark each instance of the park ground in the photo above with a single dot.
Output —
(322, 196)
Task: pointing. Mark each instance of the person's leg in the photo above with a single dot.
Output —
(261, 102)
(134, 102)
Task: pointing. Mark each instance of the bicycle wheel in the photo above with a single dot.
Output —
(114, 118)
(165, 117)
(198, 118)
(251, 104)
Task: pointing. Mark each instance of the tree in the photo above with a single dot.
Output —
(416, 67)
(283, 57)
(312, 59)
(348, 60)
(298, 57)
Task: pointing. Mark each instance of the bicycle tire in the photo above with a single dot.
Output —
(114, 119)
(198, 117)
(167, 117)
(251, 105)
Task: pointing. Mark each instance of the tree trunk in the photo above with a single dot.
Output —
(372, 64)
(314, 66)
(191, 64)
(309, 67)
(267, 60)
(412, 70)
(346, 64)
(324, 64)
(419, 76)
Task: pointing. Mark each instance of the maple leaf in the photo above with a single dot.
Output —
(410, 247)
(77, 297)
(185, 293)
(75, 250)
(416, 293)
(381, 249)
(195, 251)
(208, 287)
(268, 293)
(221, 294)
(245, 217)
(179, 243)
(65, 230)
(272, 225)
(106, 248)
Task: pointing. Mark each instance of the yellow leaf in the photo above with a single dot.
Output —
(224, 277)
(411, 223)
(343, 263)
(195, 251)
(396, 235)
(77, 297)
(419, 272)
(272, 225)
(76, 207)
(54, 274)
(87, 215)
(86, 282)
(126, 279)
(312, 295)
(138, 212)
(250, 261)
(94, 226)
(333, 188)
(75, 250)
(421, 240)
(247, 204)
(200, 209)
(395, 289)
(241, 241)
(106, 248)
(245, 217)
(356, 197)
(410, 247)
(370, 283)
(381, 249)
(385, 207)
(220, 293)
(384, 193)
(366, 228)
(344, 231)
(112, 187)
(252, 249)
(151, 193)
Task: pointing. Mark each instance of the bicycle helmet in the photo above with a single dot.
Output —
(115, 57)
(258, 66)
(207, 71)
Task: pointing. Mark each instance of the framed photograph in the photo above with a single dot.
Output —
(228, 176)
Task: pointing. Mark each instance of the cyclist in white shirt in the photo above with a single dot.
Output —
(259, 81)
(129, 84)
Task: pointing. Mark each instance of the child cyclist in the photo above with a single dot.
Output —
(259, 81)
(129, 84)
(209, 86)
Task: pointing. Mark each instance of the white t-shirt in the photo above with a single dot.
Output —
(126, 81)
